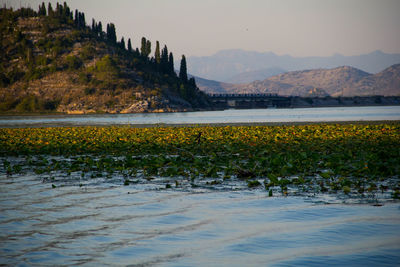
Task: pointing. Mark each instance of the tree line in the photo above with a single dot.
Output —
(162, 59)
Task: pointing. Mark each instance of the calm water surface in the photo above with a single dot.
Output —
(106, 223)
(226, 116)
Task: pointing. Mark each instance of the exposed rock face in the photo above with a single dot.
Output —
(137, 107)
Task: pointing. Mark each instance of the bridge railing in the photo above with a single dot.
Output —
(241, 95)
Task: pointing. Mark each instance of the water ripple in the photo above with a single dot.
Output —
(118, 225)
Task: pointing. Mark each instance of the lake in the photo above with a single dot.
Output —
(106, 223)
(327, 114)
(99, 221)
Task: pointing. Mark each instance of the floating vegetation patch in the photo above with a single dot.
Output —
(347, 159)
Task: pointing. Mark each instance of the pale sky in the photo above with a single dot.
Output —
(294, 27)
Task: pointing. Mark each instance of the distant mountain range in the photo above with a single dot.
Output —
(250, 76)
(340, 81)
(240, 66)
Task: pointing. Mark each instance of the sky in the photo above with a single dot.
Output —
(294, 27)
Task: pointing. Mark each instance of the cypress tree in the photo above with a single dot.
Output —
(183, 70)
(57, 11)
(111, 35)
(66, 10)
(129, 45)
(164, 60)
(122, 43)
(157, 54)
(76, 19)
(143, 47)
(148, 48)
(82, 21)
(50, 10)
(171, 68)
(42, 10)
(100, 29)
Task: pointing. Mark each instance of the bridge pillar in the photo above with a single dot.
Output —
(231, 103)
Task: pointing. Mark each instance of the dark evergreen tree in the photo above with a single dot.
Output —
(94, 26)
(57, 11)
(100, 29)
(82, 22)
(111, 35)
(143, 47)
(122, 43)
(129, 45)
(157, 54)
(171, 67)
(76, 19)
(50, 11)
(66, 10)
(164, 59)
(192, 82)
(183, 70)
(42, 10)
(183, 91)
(107, 30)
(148, 48)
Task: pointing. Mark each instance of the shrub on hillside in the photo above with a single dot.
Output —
(106, 68)
(73, 62)
(87, 52)
(29, 104)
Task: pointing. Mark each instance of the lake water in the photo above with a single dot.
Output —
(106, 223)
(327, 114)
(102, 222)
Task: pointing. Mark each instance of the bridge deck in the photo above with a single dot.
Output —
(236, 96)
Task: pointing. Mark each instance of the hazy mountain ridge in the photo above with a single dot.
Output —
(250, 76)
(341, 81)
(227, 63)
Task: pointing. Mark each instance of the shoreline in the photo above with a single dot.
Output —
(181, 125)
(303, 105)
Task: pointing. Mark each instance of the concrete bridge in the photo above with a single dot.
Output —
(249, 100)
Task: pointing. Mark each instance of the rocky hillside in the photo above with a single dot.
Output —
(332, 81)
(342, 81)
(214, 87)
(385, 83)
(52, 61)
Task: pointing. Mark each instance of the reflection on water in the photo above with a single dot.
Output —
(111, 224)
(204, 117)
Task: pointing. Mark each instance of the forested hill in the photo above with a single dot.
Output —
(52, 60)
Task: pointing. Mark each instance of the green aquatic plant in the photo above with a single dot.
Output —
(326, 158)
(252, 184)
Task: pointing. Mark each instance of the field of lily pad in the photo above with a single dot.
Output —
(352, 159)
